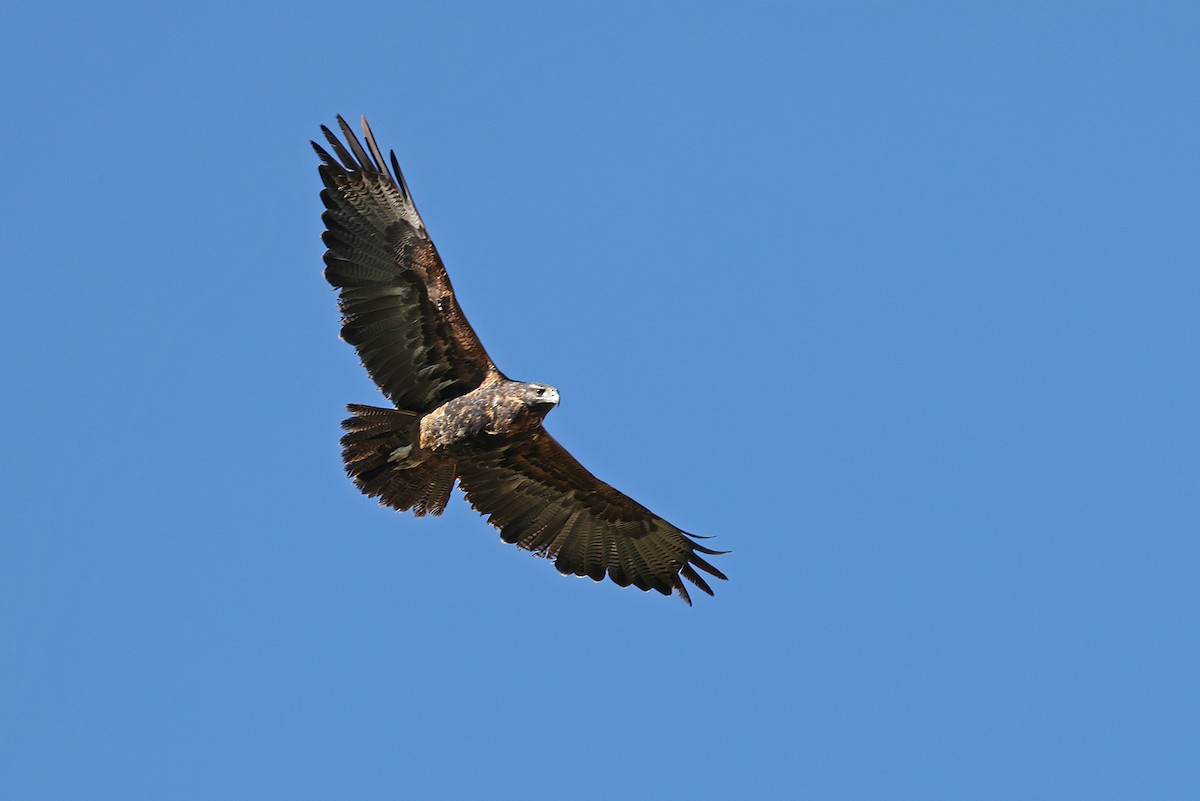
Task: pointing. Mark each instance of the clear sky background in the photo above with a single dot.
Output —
(897, 301)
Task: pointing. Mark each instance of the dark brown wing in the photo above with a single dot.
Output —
(398, 308)
(545, 501)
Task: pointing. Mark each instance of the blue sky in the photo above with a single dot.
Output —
(897, 302)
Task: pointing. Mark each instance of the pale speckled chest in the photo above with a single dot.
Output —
(478, 420)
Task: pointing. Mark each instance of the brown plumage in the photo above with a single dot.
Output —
(457, 417)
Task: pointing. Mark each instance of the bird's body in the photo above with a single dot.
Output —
(486, 418)
(457, 417)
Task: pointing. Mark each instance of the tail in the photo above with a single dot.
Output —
(381, 450)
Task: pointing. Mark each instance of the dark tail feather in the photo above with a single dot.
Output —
(373, 450)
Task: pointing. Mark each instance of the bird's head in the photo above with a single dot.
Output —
(542, 397)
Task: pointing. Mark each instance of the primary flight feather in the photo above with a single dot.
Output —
(457, 417)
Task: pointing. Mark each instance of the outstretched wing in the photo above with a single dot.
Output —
(545, 501)
(398, 308)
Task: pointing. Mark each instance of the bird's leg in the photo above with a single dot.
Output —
(404, 458)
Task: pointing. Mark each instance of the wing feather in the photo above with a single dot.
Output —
(545, 501)
(398, 306)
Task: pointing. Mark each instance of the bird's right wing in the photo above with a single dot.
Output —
(545, 501)
(398, 308)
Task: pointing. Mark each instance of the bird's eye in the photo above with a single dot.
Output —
(541, 391)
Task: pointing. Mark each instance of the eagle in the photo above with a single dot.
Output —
(456, 417)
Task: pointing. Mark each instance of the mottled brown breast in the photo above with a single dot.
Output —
(477, 421)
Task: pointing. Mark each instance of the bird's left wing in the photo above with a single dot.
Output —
(545, 501)
(398, 308)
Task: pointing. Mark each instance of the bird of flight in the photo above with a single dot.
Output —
(456, 415)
